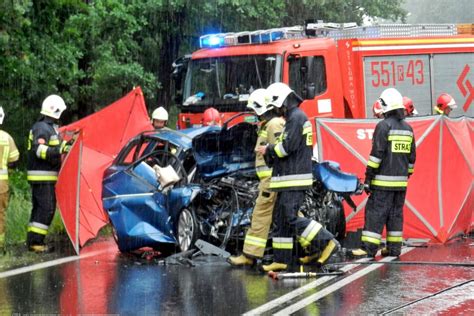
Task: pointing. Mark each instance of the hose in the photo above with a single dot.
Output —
(423, 298)
(428, 263)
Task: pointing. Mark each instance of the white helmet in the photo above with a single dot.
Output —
(160, 114)
(391, 100)
(2, 115)
(53, 106)
(259, 101)
(278, 92)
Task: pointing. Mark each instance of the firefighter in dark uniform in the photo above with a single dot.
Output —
(270, 129)
(391, 162)
(292, 174)
(44, 160)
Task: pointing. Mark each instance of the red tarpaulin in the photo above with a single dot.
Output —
(100, 138)
(439, 203)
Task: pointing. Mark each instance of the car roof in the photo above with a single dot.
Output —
(182, 138)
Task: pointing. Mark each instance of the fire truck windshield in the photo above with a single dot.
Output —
(225, 82)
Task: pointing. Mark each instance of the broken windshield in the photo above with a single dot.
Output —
(229, 80)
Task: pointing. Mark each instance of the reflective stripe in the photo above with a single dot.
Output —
(42, 151)
(263, 134)
(373, 164)
(309, 233)
(282, 243)
(308, 131)
(14, 154)
(294, 180)
(410, 171)
(30, 140)
(263, 172)
(371, 240)
(391, 184)
(411, 168)
(395, 239)
(255, 241)
(38, 228)
(36, 175)
(371, 234)
(408, 139)
(53, 142)
(391, 178)
(400, 132)
(39, 225)
(375, 159)
(390, 181)
(280, 151)
(395, 233)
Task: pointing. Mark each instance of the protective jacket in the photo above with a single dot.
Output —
(257, 235)
(267, 134)
(44, 151)
(291, 155)
(393, 154)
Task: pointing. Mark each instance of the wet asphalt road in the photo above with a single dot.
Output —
(102, 281)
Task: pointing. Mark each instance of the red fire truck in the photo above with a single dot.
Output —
(339, 69)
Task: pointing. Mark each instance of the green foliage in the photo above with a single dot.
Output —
(19, 210)
(93, 52)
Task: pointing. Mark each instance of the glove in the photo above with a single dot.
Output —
(367, 186)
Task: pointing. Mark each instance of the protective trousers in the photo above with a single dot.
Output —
(3, 212)
(257, 235)
(383, 208)
(44, 206)
(309, 233)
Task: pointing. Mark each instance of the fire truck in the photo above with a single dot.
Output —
(338, 69)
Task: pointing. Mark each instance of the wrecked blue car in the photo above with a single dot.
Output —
(173, 187)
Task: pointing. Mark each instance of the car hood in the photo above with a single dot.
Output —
(222, 152)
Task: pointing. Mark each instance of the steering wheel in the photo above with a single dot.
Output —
(164, 158)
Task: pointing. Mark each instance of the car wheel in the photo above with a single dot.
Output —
(187, 229)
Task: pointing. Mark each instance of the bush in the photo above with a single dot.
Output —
(19, 210)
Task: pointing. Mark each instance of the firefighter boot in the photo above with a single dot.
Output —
(331, 249)
(40, 248)
(360, 253)
(310, 258)
(275, 266)
(385, 252)
(240, 261)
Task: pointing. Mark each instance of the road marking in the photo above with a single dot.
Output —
(295, 293)
(336, 286)
(48, 264)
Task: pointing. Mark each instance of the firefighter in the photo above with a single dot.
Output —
(291, 176)
(270, 129)
(9, 155)
(159, 118)
(45, 148)
(211, 117)
(445, 104)
(391, 162)
(377, 109)
(409, 107)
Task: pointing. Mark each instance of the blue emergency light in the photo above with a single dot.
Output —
(212, 40)
(255, 37)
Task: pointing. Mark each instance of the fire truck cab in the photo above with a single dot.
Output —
(338, 69)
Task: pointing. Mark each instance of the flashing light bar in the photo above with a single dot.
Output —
(255, 37)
